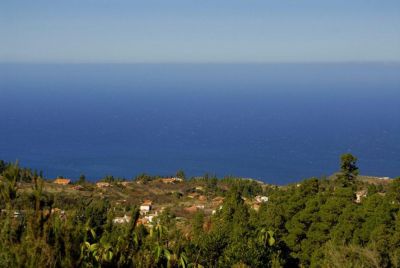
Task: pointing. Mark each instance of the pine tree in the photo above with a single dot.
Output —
(348, 170)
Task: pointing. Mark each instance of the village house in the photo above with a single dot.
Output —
(171, 180)
(359, 195)
(103, 184)
(61, 181)
(261, 199)
(125, 183)
(145, 207)
(121, 220)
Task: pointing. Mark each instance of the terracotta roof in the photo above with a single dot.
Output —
(62, 181)
(103, 184)
(147, 203)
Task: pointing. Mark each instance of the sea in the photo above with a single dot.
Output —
(279, 123)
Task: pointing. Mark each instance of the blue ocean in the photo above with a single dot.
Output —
(278, 123)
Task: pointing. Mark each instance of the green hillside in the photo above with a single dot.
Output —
(345, 220)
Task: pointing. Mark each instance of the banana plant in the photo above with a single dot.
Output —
(266, 237)
(104, 251)
(157, 232)
(97, 253)
(183, 260)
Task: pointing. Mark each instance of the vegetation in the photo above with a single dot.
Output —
(315, 223)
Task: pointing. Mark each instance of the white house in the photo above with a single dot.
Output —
(171, 180)
(261, 199)
(360, 195)
(384, 178)
(145, 207)
(120, 220)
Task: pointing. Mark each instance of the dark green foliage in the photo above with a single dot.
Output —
(348, 169)
(144, 178)
(180, 174)
(315, 223)
(3, 166)
(82, 179)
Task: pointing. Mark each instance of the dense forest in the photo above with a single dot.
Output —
(318, 222)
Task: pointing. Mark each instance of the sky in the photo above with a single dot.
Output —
(199, 31)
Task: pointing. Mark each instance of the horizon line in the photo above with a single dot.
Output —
(193, 62)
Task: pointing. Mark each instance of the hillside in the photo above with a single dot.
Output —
(181, 198)
(346, 220)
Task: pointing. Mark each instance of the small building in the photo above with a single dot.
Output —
(145, 207)
(103, 184)
(121, 220)
(171, 180)
(61, 181)
(261, 199)
(360, 195)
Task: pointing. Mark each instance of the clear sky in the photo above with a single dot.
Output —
(199, 30)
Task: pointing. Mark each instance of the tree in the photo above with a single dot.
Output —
(82, 179)
(3, 166)
(180, 174)
(198, 223)
(8, 186)
(348, 170)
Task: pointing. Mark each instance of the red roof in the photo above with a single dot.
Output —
(62, 181)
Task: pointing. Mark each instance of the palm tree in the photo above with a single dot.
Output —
(8, 184)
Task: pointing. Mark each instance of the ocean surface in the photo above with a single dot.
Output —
(275, 122)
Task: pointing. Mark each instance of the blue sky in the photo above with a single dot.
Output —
(199, 31)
